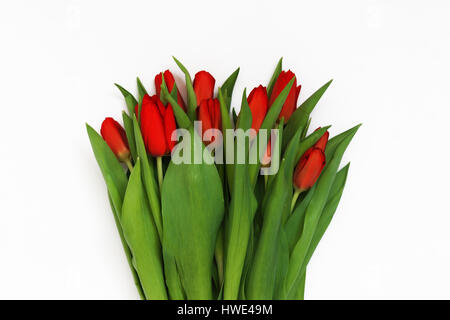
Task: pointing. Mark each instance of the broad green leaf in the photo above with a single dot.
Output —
(312, 215)
(113, 172)
(149, 178)
(274, 78)
(192, 99)
(129, 99)
(300, 117)
(282, 262)
(142, 237)
(325, 218)
(228, 86)
(129, 129)
(294, 225)
(241, 214)
(173, 281)
(193, 209)
(226, 125)
(268, 124)
(127, 250)
(262, 277)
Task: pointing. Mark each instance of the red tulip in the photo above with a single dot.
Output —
(209, 114)
(157, 125)
(170, 81)
(258, 103)
(203, 86)
(116, 138)
(309, 168)
(322, 142)
(291, 101)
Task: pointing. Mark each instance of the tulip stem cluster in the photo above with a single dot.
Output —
(228, 233)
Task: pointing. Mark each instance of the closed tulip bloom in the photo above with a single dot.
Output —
(309, 169)
(157, 125)
(170, 81)
(209, 114)
(258, 103)
(290, 104)
(322, 142)
(116, 138)
(203, 86)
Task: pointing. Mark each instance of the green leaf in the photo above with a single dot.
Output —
(309, 141)
(262, 277)
(192, 99)
(241, 213)
(181, 117)
(149, 178)
(228, 86)
(192, 216)
(300, 117)
(312, 215)
(334, 142)
(294, 224)
(129, 129)
(112, 170)
(129, 99)
(142, 237)
(141, 89)
(226, 125)
(274, 78)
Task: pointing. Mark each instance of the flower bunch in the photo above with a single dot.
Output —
(210, 204)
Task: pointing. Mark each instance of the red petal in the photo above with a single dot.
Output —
(258, 103)
(203, 86)
(115, 136)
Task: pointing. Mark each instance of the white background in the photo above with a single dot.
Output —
(390, 64)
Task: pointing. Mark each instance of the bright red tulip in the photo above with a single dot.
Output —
(203, 86)
(290, 104)
(322, 142)
(116, 138)
(157, 125)
(209, 114)
(258, 103)
(170, 81)
(309, 168)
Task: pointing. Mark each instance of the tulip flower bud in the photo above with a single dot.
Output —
(209, 114)
(309, 169)
(290, 104)
(116, 138)
(157, 125)
(203, 86)
(170, 81)
(322, 142)
(258, 103)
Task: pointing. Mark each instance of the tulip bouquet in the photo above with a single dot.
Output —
(210, 204)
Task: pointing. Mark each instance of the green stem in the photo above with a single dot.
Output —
(129, 165)
(294, 198)
(160, 173)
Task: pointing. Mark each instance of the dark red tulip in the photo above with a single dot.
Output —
(157, 125)
(209, 114)
(290, 104)
(170, 81)
(116, 138)
(258, 103)
(322, 142)
(309, 169)
(203, 86)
